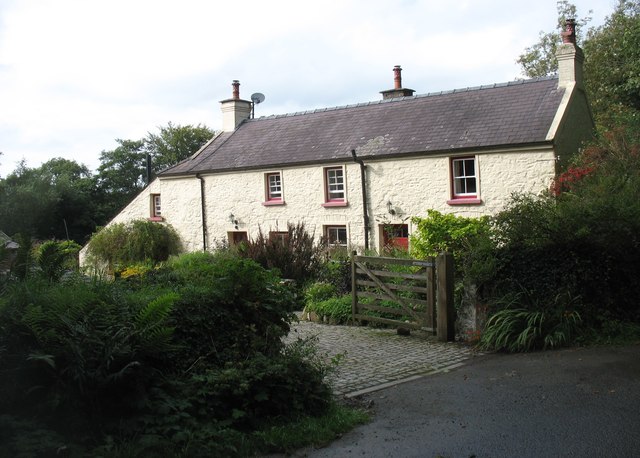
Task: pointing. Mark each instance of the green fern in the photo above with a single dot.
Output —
(151, 323)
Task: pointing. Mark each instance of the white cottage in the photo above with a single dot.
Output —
(357, 174)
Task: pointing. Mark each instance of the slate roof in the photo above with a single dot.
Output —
(500, 115)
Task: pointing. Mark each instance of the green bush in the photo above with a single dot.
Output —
(229, 308)
(78, 346)
(337, 271)
(521, 330)
(582, 239)
(54, 258)
(335, 309)
(440, 232)
(185, 360)
(119, 244)
(318, 292)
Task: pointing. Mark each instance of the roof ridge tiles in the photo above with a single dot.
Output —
(416, 96)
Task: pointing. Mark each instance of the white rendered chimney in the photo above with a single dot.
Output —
(570, 57)
(234, 110)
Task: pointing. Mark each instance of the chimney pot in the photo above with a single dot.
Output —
(569, 33)
(236, 89)
(397, 77)
(398, 90)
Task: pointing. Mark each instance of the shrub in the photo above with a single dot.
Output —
(185, 360)
(79, 347)
(583, 239)
(469, 240)
(55, 258)
(337, 271)
(520, 330)
(440, 232)
(296, 257)
(318, 292)
(336, 309)
(229, 308)
(582, 246)
(139, 241)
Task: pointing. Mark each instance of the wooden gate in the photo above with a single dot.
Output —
(405, 293)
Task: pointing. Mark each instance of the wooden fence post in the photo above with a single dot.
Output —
(431, 295)
(446, 312)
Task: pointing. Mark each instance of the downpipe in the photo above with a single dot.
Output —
(365, 213)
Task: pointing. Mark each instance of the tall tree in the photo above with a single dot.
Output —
(55, 200)
(540, 59)
(175, 143)
(612, 65)
(122, 172)
(121, 175)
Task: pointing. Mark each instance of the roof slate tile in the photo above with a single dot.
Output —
(514, 113)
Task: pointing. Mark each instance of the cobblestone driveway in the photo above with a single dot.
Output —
(378, 358)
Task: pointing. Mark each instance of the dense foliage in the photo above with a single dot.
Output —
(55, 200)
(181, 360)
(62, 199)
(138, 241)
(295, 254)
(438, 233)
(611, 65)
(574, 251)
(539, 59)
(323, 300)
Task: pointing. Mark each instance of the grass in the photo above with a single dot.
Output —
(29, 438)
(309, 431)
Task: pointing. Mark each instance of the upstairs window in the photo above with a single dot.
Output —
(464, 177)
(334, 187)
(156, 208)
(464, 186)
(273, 183)
(335, 184)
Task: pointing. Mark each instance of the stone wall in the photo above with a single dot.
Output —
(411, 186)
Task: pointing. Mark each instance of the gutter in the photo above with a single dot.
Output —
(538, 145)
(365, 213)
(203, 212)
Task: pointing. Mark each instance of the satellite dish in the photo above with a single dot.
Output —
(257, 98)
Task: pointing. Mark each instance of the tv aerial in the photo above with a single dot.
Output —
(256, 98)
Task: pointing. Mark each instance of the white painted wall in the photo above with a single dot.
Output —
(412, 185)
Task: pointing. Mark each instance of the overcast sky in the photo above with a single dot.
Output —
(77, 74)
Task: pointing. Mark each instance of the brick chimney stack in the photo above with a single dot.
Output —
(570, 57)
(398, 90)
(234, 110)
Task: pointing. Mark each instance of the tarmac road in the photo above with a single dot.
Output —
(582, 402)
